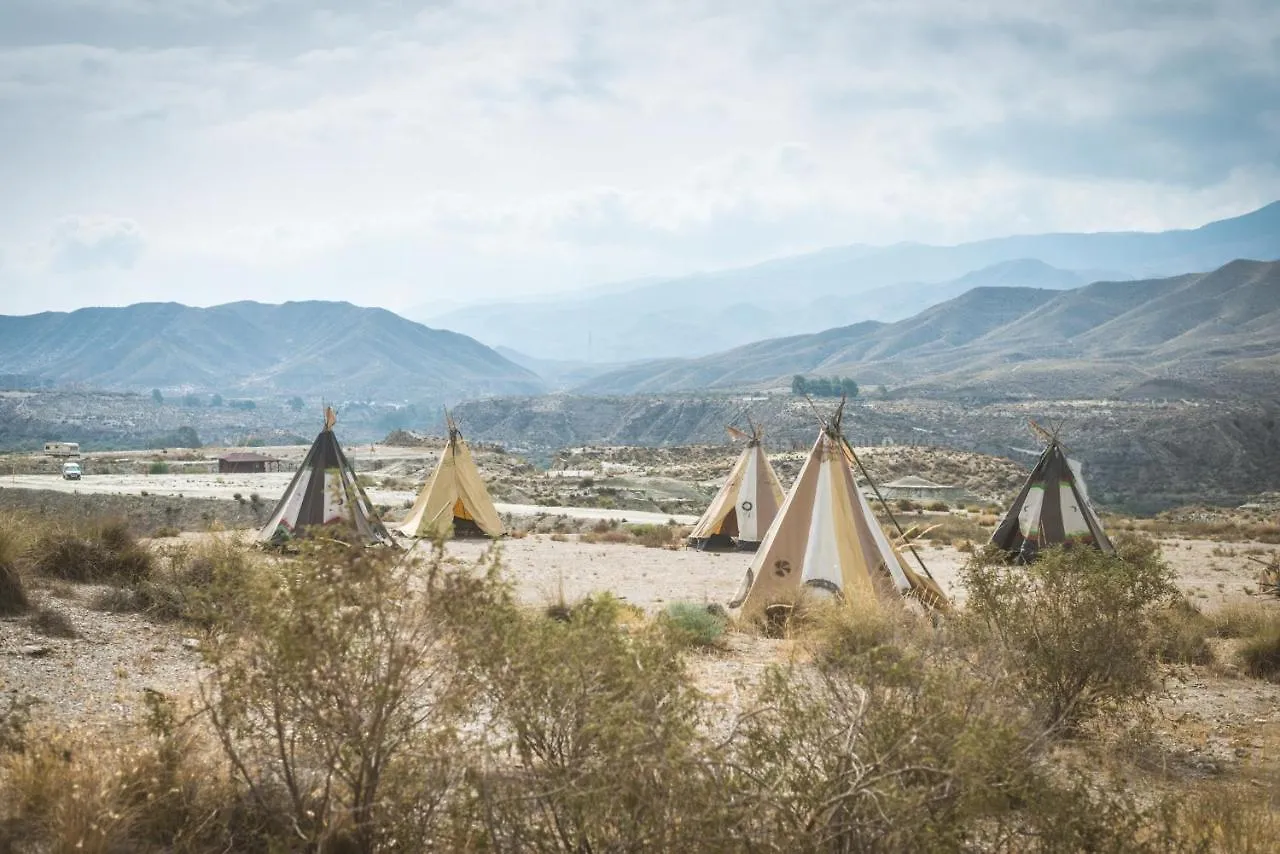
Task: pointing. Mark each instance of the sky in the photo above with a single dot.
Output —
(409, 154)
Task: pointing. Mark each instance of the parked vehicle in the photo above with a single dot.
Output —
(62, 449)
(71, 471)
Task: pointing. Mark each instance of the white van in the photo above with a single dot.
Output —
(70, 471)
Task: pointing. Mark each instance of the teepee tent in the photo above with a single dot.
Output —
(746, 504)
(325, 492)
(454, 498)
(1051, 509)
(826, 538)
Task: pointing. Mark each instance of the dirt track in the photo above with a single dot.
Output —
(271, 486)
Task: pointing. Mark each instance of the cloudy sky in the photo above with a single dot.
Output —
(402, 152)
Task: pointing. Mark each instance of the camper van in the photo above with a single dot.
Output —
(62, 449)
(70, 471)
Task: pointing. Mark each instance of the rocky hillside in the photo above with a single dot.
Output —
(1207, 335)
(335, 349)
(1138, 455)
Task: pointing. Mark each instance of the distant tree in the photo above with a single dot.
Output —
(798, 385)
(191, 400)
(243, 404)
(186, 437)
(848, 387)
(216, 400)
(295, 403)
(157, 396)
(820, 387)
(883, 390)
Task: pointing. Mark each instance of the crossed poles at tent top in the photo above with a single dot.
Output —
(832, 427)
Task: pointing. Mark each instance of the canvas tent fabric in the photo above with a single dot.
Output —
(1052, 508)
(454, 499)
(324, 491)
(745, 506)
(826, 538)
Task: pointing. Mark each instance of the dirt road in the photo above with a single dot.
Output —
(271, 486)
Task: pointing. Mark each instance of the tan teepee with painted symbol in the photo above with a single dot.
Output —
(746, 504)
(454, 500)
(826, 540)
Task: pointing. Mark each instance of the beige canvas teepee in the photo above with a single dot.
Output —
(827, 539)
(454, 499)
(746, 504)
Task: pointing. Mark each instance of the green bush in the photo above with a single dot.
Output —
(158, 467)
(1077, 626)
(696, 625)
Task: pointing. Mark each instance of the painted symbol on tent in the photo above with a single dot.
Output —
(782, 568)
(746, 506)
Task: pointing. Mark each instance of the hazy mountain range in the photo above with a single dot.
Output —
(709, 312)
(335, 349)
(1193, 334)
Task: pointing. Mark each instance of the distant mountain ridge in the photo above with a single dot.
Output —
(316, 347)
(705, 313)
(1199, 329)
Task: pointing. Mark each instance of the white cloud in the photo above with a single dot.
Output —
(95, 242)
(281, 148)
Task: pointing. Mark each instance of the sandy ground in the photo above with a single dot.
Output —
(271, 486)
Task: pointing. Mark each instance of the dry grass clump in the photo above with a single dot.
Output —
(669, 536)
(102, 551)
(1182, 633)
(13, 590)
(1242, 619)
(52, 623)
(1259, 655)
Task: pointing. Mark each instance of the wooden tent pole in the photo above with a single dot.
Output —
(885, 505)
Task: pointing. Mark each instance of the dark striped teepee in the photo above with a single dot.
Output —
(325, 492)
(1051, 509)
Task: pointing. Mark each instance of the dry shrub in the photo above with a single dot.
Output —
(601, 725)
(895, 743)
(52, 623)
(100, 552)
(337, 697)
(13, 591)
(1182, 633)
(1077, 626)
(1260, 654)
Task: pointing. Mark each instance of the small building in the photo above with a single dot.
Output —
(920, 488)
(242, 462)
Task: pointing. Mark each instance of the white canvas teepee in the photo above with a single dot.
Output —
(746, 504)
(454, 499)
(324, 492)
(826, 539)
